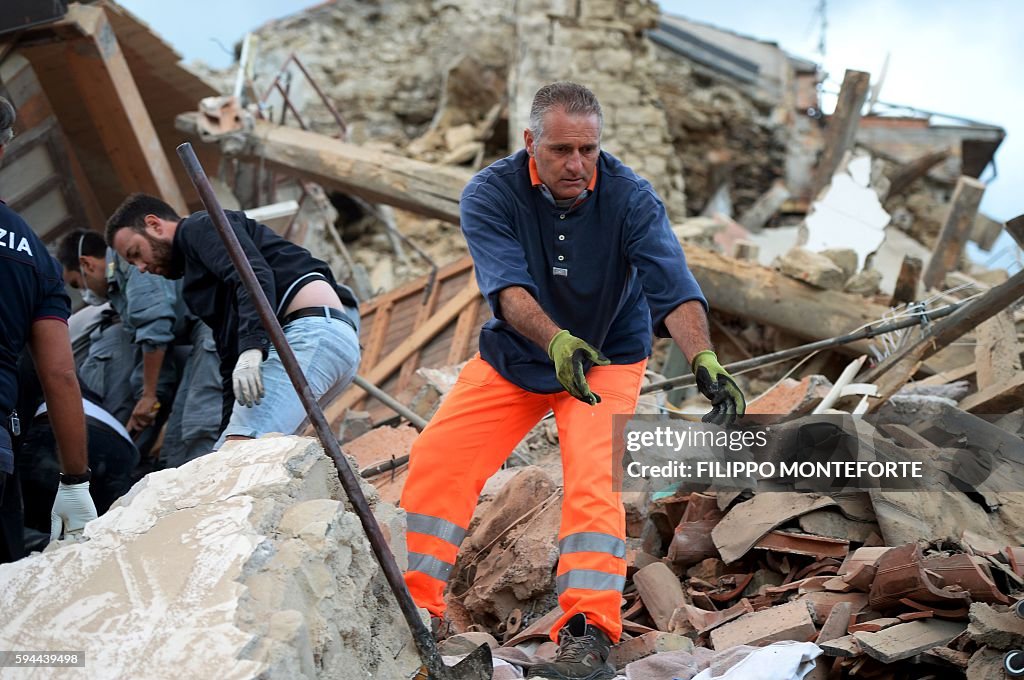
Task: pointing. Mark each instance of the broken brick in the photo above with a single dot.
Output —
(790, 398)
(821, 603)
(660, 591)
(995, 628)
(646, 645)
(874, 625)
(790, 621)
(908, 639)
(803, 544)
(701, 620)
(836, 624)
(845, 646)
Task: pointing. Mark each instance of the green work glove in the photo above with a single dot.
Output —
(569, 352)
(716, 384)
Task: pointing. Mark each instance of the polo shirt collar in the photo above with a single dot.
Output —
(535, 181)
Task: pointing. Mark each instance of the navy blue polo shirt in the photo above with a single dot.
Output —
(31, 288)
(608, 269)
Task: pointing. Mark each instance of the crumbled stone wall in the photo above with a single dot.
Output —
(241, 564)
(382, 61)
(708, 117)
(600, 44)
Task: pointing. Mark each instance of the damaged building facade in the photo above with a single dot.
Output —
(359, 152)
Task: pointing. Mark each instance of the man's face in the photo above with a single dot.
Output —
(150, 251)
(566, 153)
(91, 275)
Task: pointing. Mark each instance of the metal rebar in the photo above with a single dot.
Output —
(389, 401)
(863, 334)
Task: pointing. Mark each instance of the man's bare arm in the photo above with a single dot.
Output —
(688, 326)
(524, 314)
(51, 350)
(143, 414)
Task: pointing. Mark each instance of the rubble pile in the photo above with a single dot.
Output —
(718, 131)
(240, 564)
(713, 573)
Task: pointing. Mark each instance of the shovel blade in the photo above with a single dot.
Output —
(476, 666)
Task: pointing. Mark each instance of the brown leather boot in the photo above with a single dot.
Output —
(582, 654)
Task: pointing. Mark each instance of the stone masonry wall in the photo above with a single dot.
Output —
(707, 117)
(382, 62)
(600, 44)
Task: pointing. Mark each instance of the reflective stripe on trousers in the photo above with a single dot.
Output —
(591, 579)
(441, 529)
(467, 440)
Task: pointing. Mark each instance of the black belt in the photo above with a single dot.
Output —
(326, 312)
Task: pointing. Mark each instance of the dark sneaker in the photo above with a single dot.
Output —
(582, 654)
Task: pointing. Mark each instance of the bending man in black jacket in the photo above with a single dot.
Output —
(319, 316)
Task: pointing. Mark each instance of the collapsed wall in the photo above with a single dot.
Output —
(707, 118)
(241, 564)
(601, 44)
(382, 61)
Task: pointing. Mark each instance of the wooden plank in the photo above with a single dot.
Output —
(842, 127)
(996, 352)
(422, 314)
(415, 287)
(765, 207)
(907, 281)
(109, 93)
(908, 173)
(906, 437)
(376, 176)
(465, 327)
(955, 231)
(1016, 229)
(952, 375)
(375, 343)
(393, 361)
(756, 293)
(996, 399)
(893, 373)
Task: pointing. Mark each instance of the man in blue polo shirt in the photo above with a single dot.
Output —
(35, 312)
(575, 254)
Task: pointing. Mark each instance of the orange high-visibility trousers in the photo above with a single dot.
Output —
(471, 435)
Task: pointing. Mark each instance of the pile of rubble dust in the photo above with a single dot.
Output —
(240, 564)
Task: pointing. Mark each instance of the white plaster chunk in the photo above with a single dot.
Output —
(849, 215)
(240, 564)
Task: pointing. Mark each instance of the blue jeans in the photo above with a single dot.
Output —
(326, 349)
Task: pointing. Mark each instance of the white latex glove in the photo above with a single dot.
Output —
(247, 377)
(73, 508)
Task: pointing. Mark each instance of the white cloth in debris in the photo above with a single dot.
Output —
(778, 661)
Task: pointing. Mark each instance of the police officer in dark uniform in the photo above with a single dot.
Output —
(34, 311)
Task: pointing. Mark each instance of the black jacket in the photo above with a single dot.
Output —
(213, 289)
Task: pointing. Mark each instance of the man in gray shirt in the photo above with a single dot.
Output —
(155, 317)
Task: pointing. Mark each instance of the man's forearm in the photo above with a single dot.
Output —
(64, 404)
(51, 351)
(524, 314)
(688, 326)
(152, 362)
